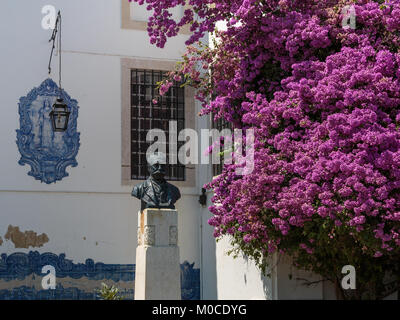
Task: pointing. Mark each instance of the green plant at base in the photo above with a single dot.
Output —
(109, 293)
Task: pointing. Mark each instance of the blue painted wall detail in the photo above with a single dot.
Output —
(48, 153)
(18, 266)
(60, 293)
(190, 282)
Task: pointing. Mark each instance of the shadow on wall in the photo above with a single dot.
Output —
(267, 284)
(293, 283)
(21, 278)
(264, 279)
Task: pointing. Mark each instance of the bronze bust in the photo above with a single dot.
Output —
(156, 192)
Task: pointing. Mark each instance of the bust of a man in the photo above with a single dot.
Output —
(156, 192)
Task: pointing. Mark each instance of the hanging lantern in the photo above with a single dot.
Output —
(60, 116)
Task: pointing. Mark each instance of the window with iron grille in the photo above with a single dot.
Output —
(145, 115)
(220, 125)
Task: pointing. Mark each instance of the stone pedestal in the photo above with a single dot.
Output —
(157, 275)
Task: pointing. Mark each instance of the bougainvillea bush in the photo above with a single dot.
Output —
(324, 100)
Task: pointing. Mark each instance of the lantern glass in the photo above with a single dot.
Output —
(60, 116)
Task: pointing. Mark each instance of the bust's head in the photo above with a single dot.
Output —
(156, 165)
(163, 198)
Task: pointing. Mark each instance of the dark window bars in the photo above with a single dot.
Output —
(145, 115)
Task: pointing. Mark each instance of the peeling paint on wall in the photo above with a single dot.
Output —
(25, 239)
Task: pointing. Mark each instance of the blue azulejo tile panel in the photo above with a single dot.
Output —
(48, 153)
(21, 278)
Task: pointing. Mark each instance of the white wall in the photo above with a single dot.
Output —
(208, 255)
(91, 202)
(239, 279)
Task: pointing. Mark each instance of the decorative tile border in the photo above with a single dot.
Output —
(20, 265)
(20, 278)
(60, 293)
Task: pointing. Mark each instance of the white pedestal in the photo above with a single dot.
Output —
(157, 275)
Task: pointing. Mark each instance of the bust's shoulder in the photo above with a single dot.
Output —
(140, 185)
(170, 185)
(139, 189)
(173, 188)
